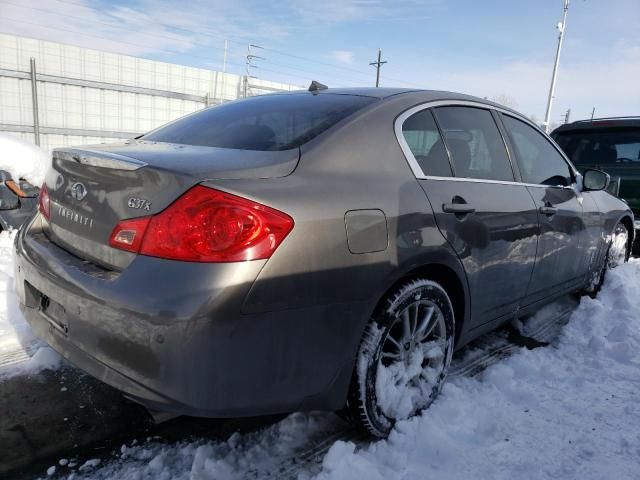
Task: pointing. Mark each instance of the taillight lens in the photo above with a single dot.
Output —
(128, 234)
(44, 203)
(206, 225)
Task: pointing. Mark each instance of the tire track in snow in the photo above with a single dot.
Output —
(496, 348)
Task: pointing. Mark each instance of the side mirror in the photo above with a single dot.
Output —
(593, 180)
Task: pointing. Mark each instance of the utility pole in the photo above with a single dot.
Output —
(567, 115)
(34, 101)
(224, 73)
(561, 28)
(378, 64)
(249, 65)
(224, 59)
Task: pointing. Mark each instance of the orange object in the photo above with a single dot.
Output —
(15, 188)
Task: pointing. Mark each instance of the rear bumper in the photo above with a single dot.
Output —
(171, 335)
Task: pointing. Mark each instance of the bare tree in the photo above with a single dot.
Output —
(506, 100)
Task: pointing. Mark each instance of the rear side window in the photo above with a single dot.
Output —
(270, 122)
(606, 147)
(539, 161)
(474, 142)
(421, 134)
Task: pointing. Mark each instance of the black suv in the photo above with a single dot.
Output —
(609, 144)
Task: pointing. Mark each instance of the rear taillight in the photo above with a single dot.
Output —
(44, 203)
(206, 225)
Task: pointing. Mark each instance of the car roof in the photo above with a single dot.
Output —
(599, 123)
(374, 92)
(421, 95)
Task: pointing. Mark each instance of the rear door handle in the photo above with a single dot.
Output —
(548, 210)
(457, 208)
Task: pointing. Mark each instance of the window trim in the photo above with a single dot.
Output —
(419, 174)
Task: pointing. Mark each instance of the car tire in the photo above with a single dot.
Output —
(617, 253)
(403, 358)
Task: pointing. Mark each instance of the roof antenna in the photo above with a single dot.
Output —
(317, 86)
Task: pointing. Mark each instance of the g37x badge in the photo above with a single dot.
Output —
(139, 204)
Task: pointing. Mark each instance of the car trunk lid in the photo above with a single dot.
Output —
(92, 189)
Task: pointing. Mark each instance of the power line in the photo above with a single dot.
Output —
(169, 52)
(122, 42)
(201, 57)
(192, 32)
(242, 42)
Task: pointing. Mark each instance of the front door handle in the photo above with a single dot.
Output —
(457, 208)
(546, 210)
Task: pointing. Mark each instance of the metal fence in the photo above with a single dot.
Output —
(64, 95)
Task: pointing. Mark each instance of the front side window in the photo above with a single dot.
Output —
(269, 122)
(540, 162)
(474, 142)
(421, 134)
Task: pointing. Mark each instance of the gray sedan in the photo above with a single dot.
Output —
(312, 250)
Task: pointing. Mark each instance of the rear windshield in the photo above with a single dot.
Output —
(270, 122)
(620, 146)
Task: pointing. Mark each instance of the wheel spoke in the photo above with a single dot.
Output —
(432, 325)
(406, 326)
(394, 342)
(391, 355)
(414, 318)
(425, 324)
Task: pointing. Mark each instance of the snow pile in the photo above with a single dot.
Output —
(569, 411)
(252, 455)
(23, 159)
(17, 341)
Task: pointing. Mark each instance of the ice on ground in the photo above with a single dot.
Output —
(23, 159)
(20, 351)
(566, 411)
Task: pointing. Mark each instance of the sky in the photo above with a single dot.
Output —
(499, 49)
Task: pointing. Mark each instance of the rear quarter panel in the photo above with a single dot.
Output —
(358, 165)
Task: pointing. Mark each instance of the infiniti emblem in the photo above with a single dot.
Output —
(78, 191)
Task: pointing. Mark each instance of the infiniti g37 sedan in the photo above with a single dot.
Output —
(309, 250)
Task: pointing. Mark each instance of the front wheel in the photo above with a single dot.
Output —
(617, 254)
(403, 357)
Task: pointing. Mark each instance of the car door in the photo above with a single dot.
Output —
(551, 181)
(460, 160)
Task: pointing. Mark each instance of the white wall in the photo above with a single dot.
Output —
(68, 106)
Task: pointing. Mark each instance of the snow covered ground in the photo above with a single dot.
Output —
(569, 411)
(20, 350)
